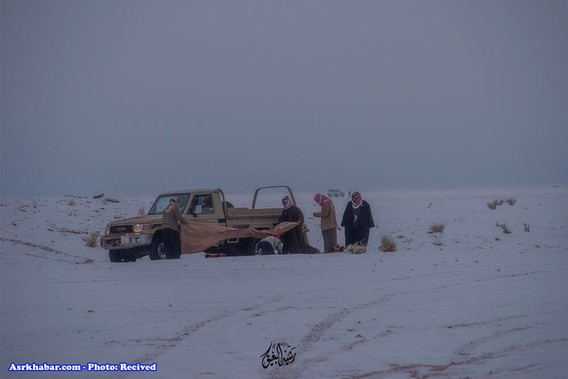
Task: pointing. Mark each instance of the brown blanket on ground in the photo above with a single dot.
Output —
(198, 236)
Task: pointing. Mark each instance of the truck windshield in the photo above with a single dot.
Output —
(163, 200)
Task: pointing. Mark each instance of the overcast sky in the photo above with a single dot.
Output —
(134, 97)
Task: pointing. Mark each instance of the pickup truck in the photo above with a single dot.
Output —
(132, 238)
(335, 193)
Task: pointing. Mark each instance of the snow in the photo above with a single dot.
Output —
(470, 302)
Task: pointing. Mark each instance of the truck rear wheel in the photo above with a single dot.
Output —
(247, 246)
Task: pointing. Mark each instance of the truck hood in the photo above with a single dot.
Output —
(146, 219)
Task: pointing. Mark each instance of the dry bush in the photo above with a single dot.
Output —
(495, 203)
(504, 228)
(436, 228)
(527, 227)
(92, 240)
(86, 261)
(387, 244)
(71, 203)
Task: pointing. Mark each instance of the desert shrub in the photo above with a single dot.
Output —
(387, 244)
(71, 203)
(92, 240)
(500, 202)
(86, 261)
(527, 227)
(511, 201)
(504, 228)
(437, 228)
(493, 204)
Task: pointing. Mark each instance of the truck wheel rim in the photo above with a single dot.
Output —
(162, 250)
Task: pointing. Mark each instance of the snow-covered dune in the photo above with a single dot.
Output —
(472, 301)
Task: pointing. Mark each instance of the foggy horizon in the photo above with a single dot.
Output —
(139, 97)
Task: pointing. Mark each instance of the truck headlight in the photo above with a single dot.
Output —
(137, 228)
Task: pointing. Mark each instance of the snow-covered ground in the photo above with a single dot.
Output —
(470, 302)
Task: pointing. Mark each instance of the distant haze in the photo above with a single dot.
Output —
(136, 97)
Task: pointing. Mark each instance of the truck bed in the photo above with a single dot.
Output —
(255, 218)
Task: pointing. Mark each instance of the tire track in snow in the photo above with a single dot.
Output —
(169, 343)
(47, 249)
(502, 319)
(317, 332)
(422, 370)
(464, 355)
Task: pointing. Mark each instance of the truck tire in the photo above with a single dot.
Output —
(121, 256)
(247, 245)
(115, 256)
(158, 249)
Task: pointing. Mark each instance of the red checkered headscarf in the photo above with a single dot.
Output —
(356, 200)
(321, 198)
(287, 202)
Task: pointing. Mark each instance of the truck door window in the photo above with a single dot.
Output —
(163, 201)
(202, 204)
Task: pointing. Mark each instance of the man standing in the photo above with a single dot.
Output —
(357, 220)
(328, 222)
(295, 241)
(171, 220)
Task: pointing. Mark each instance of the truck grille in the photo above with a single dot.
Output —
(120, 229)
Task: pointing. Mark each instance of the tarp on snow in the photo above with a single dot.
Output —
(198, 236)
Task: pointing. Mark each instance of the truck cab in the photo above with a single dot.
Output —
(205, 205)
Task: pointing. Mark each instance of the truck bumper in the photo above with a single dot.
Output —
(129, 241)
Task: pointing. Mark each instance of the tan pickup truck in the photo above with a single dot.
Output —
(132, 238)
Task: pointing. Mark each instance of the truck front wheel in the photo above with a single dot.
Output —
(115, 256)
(158, 249)
(121, 256)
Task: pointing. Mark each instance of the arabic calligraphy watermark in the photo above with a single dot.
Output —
(280, 354)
